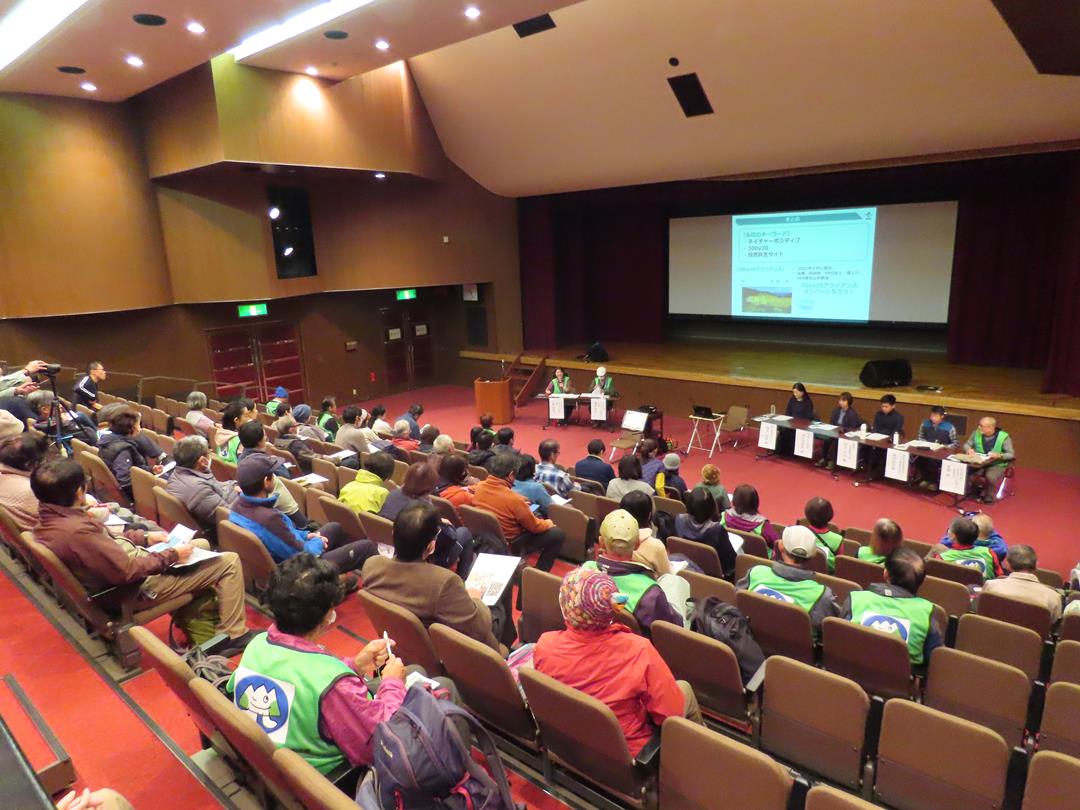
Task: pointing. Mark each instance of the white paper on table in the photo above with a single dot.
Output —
(767, 436)
(781, 417)
(598, 409)
(761, 418)
(953, 477)
(896, 464)
(875, 437)
(823, 426)
(804, 443)
(197, 556)
(386, 550)
(847, 453)
(556, 407)
(341, 455)
(310, 480)
(490, 574)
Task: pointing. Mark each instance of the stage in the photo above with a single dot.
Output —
(676, 375)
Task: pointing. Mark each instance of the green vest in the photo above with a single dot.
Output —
(633, 585)
(281, 690)
(604, 386)
(556, 388)
(324, 418)
(999, 444)
(908, 618)
(230, 449)
(867, 553)
(803, 592)
(979, 558)
(829, 542)
(756, 530)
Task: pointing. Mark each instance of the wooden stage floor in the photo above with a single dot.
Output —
(828, 372)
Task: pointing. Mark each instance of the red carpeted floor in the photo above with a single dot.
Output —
(1042, 501)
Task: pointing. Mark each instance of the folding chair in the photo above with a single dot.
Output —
(918, 546)
(328, 470)
(415, 456)
(171, 513)
(582, 736)
(584, 501)
(1059, 731)
(986, 692)
(736, 776)
(1070, 627)
(222, 470)
(952, 596)
(701, 554)
(540, 611)
(1000, 641)
(735, 421)
(814, 720)
(1053, 781)
(377, 529)
(159, 420)
(1051, 578)
(702, 586)
(860, 536)
(744, 562)
(780, 628)
(629, 620)
(254, 558)
(142, 488)
(314, 790)
(823, 797)
(337, 512)
(840, 587)
(956, 573)
(668, 504)
(344, 476)
(1014, 611)
(104, 482)
(860, 571)
(446, 509)
(878, 661)
(580, 531)
(913, 775)
(480, 521)
(398, 475)
(587, 485)
(628, 440)
(1066, 662)
(313, 507)
(604, 506)
(708, 665)
(479, 473)
(411, 640)
(753, 544)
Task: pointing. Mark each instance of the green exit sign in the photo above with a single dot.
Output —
(251, 310)
(406, 295)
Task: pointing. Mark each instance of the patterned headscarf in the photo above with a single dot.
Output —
(585, 599)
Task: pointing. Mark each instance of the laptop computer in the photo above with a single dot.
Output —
(704, 411)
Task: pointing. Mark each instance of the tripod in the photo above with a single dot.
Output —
(54, 423)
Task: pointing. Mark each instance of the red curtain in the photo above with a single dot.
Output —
(1063, 365)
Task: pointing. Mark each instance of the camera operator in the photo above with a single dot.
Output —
(77, 424)
(86, 389)
(21, 382)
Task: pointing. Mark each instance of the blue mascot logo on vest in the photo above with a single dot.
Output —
(773, 594)
(887, 624)
(974, 563)
(264, 701)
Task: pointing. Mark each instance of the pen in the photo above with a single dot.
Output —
(389, 643)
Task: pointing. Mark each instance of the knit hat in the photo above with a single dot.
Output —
(799, 542)
(620, 531)
(281, 392)
(10, 424)
(302, 413)
(254, 468)
(671, 461)
(710, 474)
(585, 599)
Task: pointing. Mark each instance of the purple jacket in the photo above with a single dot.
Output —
(653, 604)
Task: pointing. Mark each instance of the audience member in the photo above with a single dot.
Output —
(410, 416)
(743, 515)
(368, 492)
(651, 466)
(124, 447)
(281, 397)
(327, 419)
(253, 442)
(885, 538)
(547, 472)
(196, 401)
(428, 435)
(101, 799)
(701, 523)
(430, 591)
(1021, 582)
(350, 436)
(988, 536)
(85, 392)
(629, 479)
(504, 442)
(21, 381)
(442, 447)
(989, 440)
(15, 410)
(528, 487)
(647, 600)
(593, 466)
(963, 549)
(401, 438)
(332, 714)
(454, 544)
(650, 550)
(254, 510)
(453, 481)
(482, 454)
(602, 658)
(819, 514)
(194, 485)
(376, 422)
(524, 531)
(893, 607)
(788, 580)
(236, 414)
(289, 439)
(99, 560)
(710, 481)
(485, 426)
(671, 479)
(20, 454)
(304, 428)
(10, 424)
(79, 425)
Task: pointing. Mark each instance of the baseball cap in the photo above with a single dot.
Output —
(281, 392)
(799, 542)
(620, 531)
(254, 468)
(671, 461)
(601, 371)
(302, 412)
(10, 424)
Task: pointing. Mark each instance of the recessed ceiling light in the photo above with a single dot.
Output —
(149, 19)
(472, 12)
(134, 61)
(274, 212)
(311, 70)
(89, 87)
(314, 17)
(380, 175)
(382, 44)
(28, 22)
(335, 34)
(74, 70)
(287, 251)
(195, 28)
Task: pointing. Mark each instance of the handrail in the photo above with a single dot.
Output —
(509, 372)
(531, 384)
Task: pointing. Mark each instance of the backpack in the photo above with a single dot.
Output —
(726, 623)
(421, 761)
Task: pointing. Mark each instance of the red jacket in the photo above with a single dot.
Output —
(623, 671)
(511, 508)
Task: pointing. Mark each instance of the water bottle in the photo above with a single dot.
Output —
(896, 438)
(862, 430)
(772, 410)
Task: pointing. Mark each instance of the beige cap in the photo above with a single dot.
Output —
(10, 424)
(620, 531)
(799, 542)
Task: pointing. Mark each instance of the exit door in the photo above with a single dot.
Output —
(252, 361)
(407, 347)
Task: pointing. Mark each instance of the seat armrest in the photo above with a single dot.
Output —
(1015, 778)
(756, 680)
(649, 756)
(799, 788)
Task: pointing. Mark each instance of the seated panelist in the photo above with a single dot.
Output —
(560, 384)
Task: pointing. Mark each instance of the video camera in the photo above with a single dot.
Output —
(51, 370)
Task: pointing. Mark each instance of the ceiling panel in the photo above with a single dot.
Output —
(793, 84)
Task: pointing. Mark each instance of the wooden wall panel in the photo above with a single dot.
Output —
(79, 226)
(180, 123)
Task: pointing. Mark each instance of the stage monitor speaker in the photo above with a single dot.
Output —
(886, 373)
(597, 353)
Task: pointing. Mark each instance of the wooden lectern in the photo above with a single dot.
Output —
(493, 396)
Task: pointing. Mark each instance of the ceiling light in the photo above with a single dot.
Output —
(382, 44)
(295, 26)
(287, 252)
(195, 28)
(153, 20)
(134, 61)
(335, 34)
(380, 175)
(74, 70)
(274, 212)
(472, 12)
(311, 70)
(28, 22)
(89, 87)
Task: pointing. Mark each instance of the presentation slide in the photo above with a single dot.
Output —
(889, 263)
